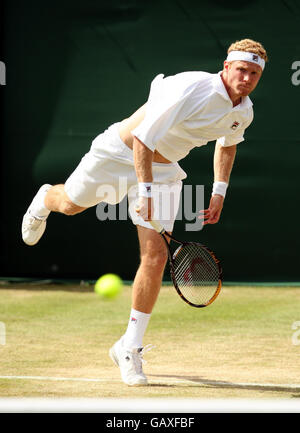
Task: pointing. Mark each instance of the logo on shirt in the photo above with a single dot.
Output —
(235, 125)
(255, 57)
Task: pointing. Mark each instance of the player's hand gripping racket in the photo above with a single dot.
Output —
(195, 271)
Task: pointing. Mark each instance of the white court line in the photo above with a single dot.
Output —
(164, 381)
(57, 379)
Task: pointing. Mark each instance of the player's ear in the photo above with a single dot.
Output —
(226, 65)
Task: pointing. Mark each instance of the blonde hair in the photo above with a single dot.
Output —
(249, 46)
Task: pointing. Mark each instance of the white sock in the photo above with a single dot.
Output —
(136, 329)
(38, 208)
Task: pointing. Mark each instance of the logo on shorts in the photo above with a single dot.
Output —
(235, 125)
(133, 319)
(148, 188)
(255, 57)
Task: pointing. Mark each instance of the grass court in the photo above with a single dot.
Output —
(242, 346)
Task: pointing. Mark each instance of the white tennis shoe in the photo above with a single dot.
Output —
(33, 227)
(130, 363)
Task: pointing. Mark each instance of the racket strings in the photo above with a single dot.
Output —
(196, 272)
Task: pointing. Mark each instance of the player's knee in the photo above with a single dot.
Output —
(155, 259)
(69, 208)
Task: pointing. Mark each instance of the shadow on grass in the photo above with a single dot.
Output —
(223, 384)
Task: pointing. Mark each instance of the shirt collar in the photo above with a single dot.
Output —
(221, 89)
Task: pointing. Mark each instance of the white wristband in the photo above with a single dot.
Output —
(145, 189)
(219, 188)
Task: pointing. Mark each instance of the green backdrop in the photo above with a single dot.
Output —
(75, 67)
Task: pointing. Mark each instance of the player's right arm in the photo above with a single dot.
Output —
(143, 158)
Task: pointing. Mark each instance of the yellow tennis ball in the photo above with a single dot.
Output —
(108, 286)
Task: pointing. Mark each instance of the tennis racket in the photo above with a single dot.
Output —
(195, 271)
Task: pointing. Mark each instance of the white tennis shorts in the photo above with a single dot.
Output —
(106, 173)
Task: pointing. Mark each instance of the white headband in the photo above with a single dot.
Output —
(247, 57)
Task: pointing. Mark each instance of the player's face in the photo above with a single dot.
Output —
(242, 77)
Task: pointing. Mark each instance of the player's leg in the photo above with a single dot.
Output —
(96, 178)
(57, 200)
(48, 198)
(147, 282)
(127, 352)
(146, 285)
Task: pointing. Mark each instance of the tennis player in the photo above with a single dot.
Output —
(182, 112)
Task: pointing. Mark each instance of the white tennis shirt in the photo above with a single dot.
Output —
(188, 110)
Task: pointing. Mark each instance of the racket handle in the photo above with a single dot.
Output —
(157, 226)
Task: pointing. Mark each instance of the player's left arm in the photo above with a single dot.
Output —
(223, 162)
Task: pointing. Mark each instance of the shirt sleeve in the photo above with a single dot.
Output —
(166, 107)
(230, 140)
(237, 136)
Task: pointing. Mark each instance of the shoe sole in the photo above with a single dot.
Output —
(36, 240)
